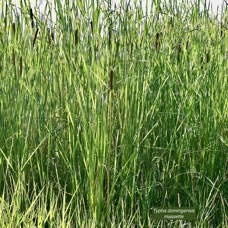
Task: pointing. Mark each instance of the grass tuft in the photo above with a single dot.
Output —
(110, 112)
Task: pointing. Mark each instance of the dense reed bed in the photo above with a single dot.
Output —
(111, 113)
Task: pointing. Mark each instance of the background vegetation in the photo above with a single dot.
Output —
(112, 113)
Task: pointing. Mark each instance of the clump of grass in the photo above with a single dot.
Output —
(112, 113)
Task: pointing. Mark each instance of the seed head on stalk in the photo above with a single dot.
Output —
(32, 17)
(20, 66)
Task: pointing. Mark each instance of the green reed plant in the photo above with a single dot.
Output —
(110, 113)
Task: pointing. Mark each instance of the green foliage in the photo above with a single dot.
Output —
(112, 113)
